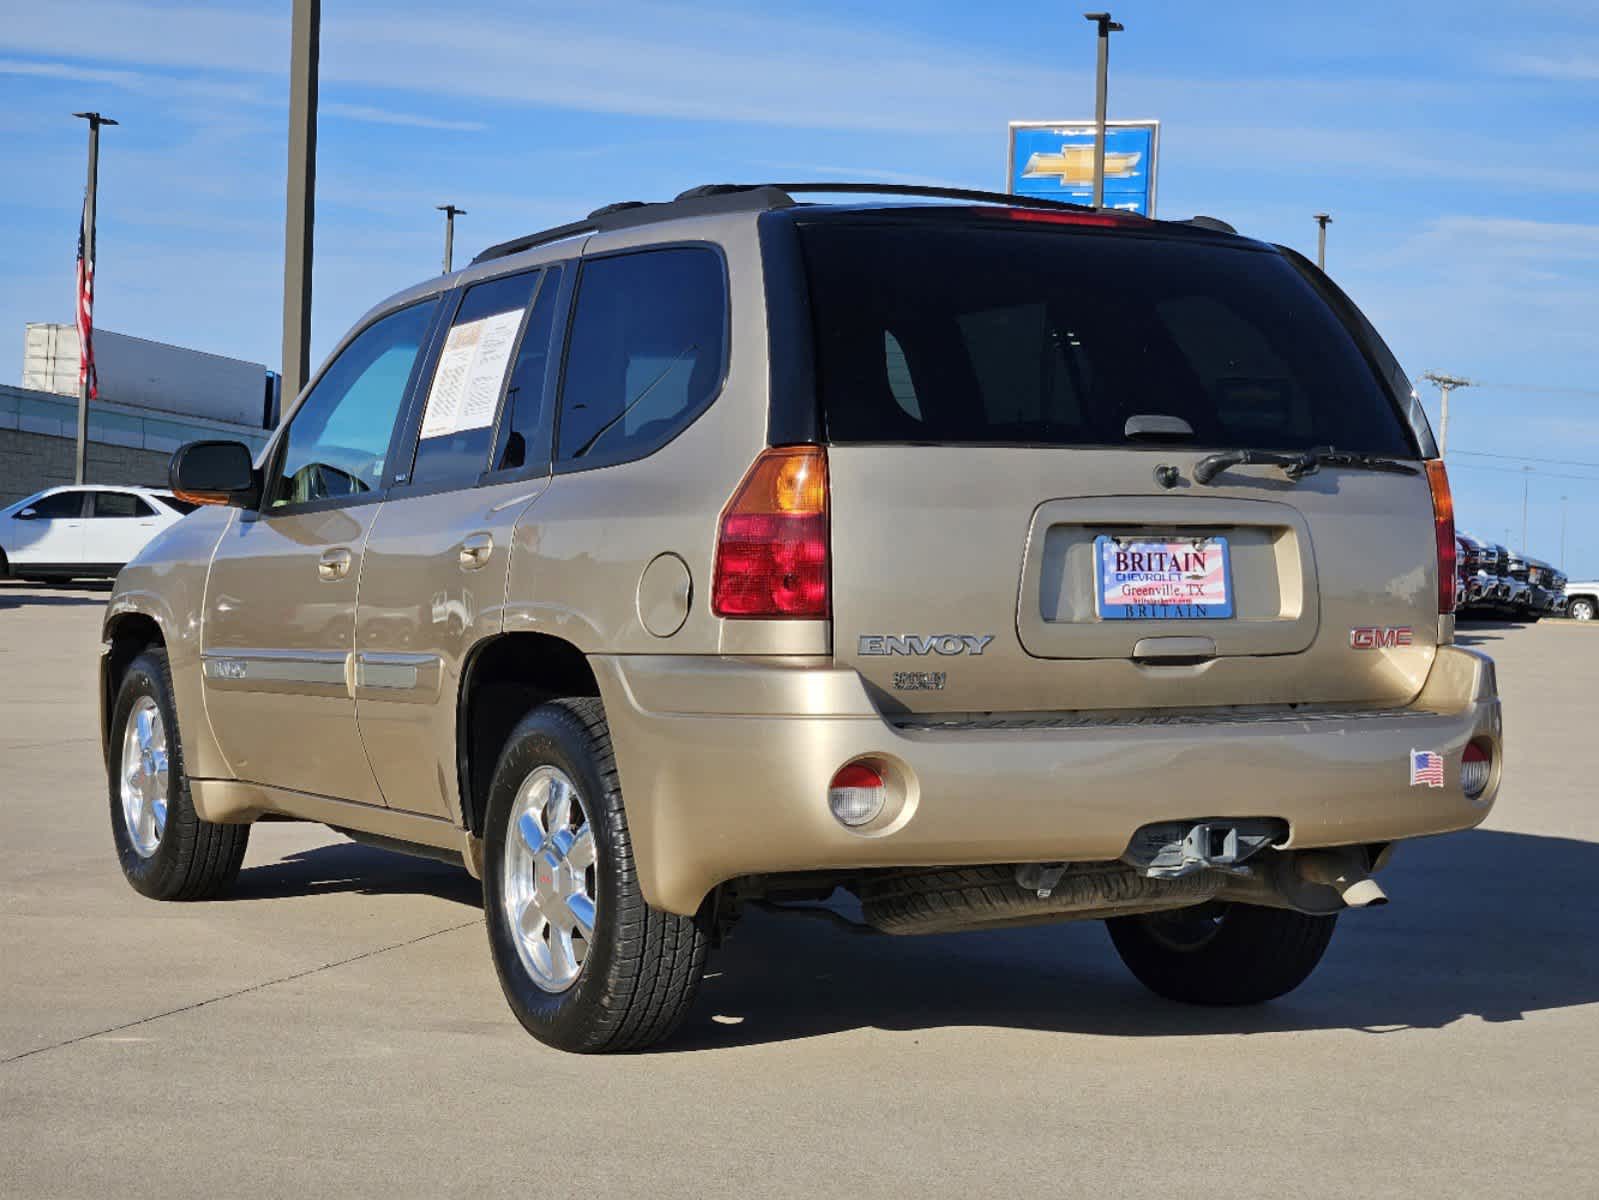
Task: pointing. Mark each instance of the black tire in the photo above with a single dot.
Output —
(195, 859)
(1581, 609)
(1222, 954)
(643, 966)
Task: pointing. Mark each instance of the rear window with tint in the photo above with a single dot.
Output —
(946, 333)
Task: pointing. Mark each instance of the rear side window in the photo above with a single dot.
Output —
(120, 504)
(646, 354)
(955, 334)
(478, 358)
(525, 420)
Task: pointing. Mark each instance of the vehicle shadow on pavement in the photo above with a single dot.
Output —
(351, 867)
(77, 596)
(1484, 632)
(1488, 924)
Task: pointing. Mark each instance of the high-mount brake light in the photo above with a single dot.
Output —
(1443, 520)
(772, 555)
(1046, 217)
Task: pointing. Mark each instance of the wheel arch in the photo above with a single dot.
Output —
(504, 679)
(128, 634)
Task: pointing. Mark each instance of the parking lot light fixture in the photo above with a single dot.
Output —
(1106, 28)
(1322, 221)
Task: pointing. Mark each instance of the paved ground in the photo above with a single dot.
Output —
(335, 1028)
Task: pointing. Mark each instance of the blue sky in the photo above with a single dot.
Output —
(1456, 144)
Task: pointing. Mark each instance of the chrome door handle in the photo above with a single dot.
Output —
(475, 551)
(334, 564)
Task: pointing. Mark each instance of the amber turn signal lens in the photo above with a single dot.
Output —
(772, 549)
(1443, 520)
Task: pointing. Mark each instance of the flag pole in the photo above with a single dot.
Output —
(86, 290)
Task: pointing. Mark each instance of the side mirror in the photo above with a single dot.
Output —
(215, 473)
(27, 514)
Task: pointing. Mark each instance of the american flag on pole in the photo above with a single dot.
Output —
(1426, 767)
(85, 317)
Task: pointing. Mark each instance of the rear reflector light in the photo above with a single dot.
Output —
(1476, 764)
(856, 795)
(772, 556)
(1443, 520)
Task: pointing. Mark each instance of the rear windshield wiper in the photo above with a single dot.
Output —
(1296, 466)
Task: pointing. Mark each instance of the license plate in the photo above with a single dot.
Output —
(1185, 579)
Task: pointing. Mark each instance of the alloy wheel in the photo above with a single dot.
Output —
(144, 777)
(548, 879)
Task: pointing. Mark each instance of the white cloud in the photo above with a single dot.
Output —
(1582, 68)
(385, 116)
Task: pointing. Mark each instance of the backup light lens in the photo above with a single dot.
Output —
(772, 557)
(1443, 519)
(856, 795)
(1476, 764)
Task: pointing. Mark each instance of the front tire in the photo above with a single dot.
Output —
(1581, 609)
(167, 851)
(1222, 954)
(585, 963)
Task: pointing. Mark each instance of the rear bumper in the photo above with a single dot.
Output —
(725, 764)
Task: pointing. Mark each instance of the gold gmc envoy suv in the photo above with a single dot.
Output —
(993, 560)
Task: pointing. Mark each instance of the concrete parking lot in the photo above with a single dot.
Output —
(335, 1027)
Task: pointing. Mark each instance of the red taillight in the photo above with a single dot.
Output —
(772, 555)
(1443, 521)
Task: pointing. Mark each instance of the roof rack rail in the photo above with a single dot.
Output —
(1215, 224)
(709, 198)
(932, 192)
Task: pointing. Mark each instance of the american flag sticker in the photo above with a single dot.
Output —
(1426, 767)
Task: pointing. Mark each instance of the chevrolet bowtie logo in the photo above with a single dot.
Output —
(1075, 165)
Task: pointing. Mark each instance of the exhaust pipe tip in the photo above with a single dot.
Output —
(1341, 871)
(1365, 893)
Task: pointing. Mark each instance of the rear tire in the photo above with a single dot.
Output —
(1222, 954)
(585, 963)
(167, 851)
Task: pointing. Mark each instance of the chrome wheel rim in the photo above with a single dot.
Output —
(144, 777)
(548, 879)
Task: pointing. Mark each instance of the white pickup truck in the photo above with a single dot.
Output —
(1582, 600)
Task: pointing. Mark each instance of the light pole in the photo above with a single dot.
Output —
(1106, 28)
(1322, 221)
(86, 293)
(300, 219)
(450, 213)
(1446, 384)
(1562, 533)
(1526, 479)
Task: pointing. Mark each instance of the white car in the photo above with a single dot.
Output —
(1582, 600)
(87, 532)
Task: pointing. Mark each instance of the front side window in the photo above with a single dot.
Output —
(478, 358)
(646, 353)
(120, 504)
(58, 506)
(337, 442)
